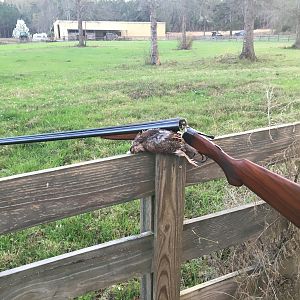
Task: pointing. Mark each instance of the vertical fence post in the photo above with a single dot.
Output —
(169, 209)
(147, 224)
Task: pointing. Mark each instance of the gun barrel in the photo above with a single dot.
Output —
(168, 124)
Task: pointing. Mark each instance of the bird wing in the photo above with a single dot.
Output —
(163, 141)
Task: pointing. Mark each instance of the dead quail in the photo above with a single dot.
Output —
(163, 141)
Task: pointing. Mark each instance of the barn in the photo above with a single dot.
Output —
(98, 30)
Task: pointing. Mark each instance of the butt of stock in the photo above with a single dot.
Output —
(281, 193)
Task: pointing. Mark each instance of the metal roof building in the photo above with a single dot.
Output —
(97, 30)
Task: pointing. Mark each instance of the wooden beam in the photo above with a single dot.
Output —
(221, 288)
(168, 226)
(147, 224)
(72, 274)
(44, 196)
(204, 235)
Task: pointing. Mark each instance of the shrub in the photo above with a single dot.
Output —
(185, 46)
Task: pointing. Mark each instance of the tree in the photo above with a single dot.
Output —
(9, 15)
(80, 7)
(297, 42)
(154, 56)
(285, 17)
(248, 43)
(183, 44)
(227, 15)
(204, 16)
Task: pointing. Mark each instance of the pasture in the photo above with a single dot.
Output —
(54, 87)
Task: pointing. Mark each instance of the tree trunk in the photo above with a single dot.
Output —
(248, 43)
(80, 27)
(230, 23)
(183, 26)
(154, 57)
(297, 42)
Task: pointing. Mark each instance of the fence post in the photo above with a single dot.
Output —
(147, 224)
(168, 225)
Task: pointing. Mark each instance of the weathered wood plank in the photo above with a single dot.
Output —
(262, 146)
(147, 224)
(168, 226)
(221, 288)
(39, 197)
(147, 213)
(96, 267)
(72, 274)
(217, 231)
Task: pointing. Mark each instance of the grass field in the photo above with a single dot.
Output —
(52, 87)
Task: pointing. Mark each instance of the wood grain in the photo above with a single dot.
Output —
(39, 197)
(147, 224)
(262, 146)
(100, 266)
(221, 288)
(73, 274)
(280, 193)
(168, 227)
(213, 232)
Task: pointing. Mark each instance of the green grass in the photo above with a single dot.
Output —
(51, 87)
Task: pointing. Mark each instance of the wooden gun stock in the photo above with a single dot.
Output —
(279, 192)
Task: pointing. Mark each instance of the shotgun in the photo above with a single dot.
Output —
(281, 193)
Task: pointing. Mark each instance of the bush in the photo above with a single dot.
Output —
(188, 45)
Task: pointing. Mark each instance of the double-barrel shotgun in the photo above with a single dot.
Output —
(281, 193)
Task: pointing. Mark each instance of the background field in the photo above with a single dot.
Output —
(52, 87)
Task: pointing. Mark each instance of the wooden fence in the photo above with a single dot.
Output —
(265, 38)
(165, 240)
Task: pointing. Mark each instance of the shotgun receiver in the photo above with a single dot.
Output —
(279, 192)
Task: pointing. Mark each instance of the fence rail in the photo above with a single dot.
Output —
(217, 289)
(39, 197)
(265, 38)
(208, 37)
(100, 266)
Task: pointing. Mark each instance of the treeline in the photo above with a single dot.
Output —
(202, 15)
